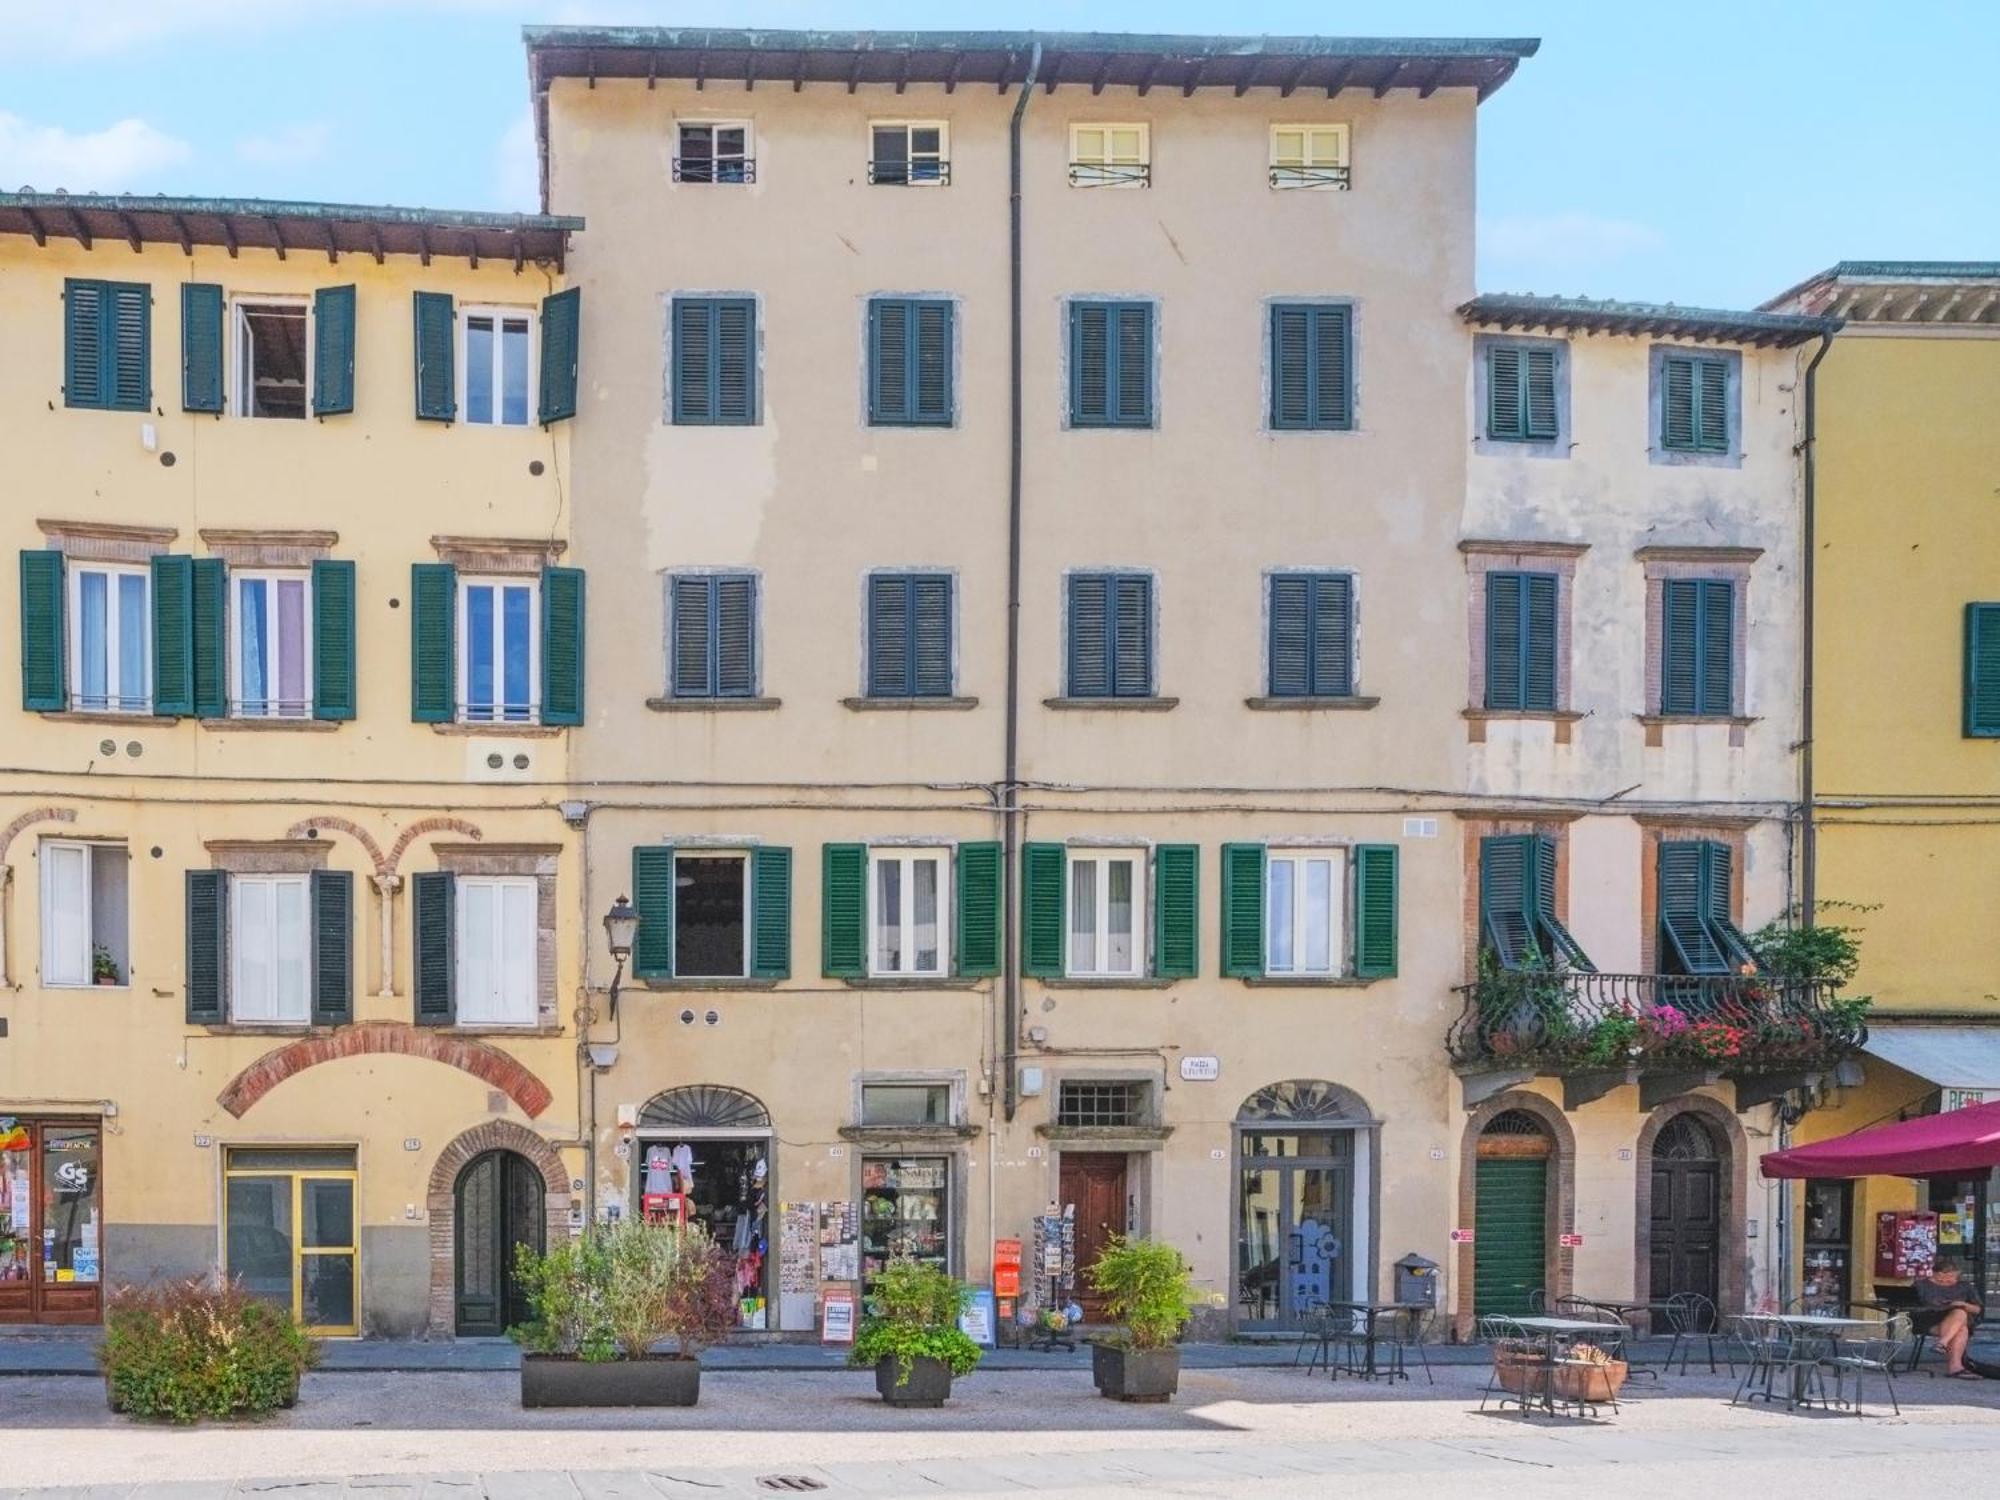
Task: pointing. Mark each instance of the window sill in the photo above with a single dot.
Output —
(1108, 1137)
(1308, 704)
(1113, 705)
(711, 705)
(106, 716)
(499, 731)
(1107, 982)
(124, 987)
(915, 982)
(1307, 982)
(917, 1135)
(912, 705)
(1656, 725)
(260, 726)
(707, 982)
(262, 1028)
(1478, 718)
(500, 1029)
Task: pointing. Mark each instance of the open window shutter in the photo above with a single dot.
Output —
(333, 638)
(1506, 879)
(437, 378)
(1538, 368)
(1982, 657)
(1291, 367)
(1682, 892)
(1679, 645)
(333, 351)
(735, 624)
(1374, 911)
(562, 645)
(1089, 363)
(976, 875)
(694, 395)
(1135, 364)
(691, 637)
(207, 974)
(201, 347)
(930, 635)
(653, 900)
(1554, 938)
(333, 947)
(888, 360)
(561, 318)
(771, 913)
(735, 361)
(1677, 398)
(1333, 394)
(433, 642)
(84, 351)
(1503, 641)
(209, 594)
(1712, 428)
(1089, 637)
(889, 636)
(843, 911)
(1043, 868)
(434, 972)
(930, 361)
(173, 636)
(130, 376)
(1243, 910)
(1718, 637)
(1132, 645)
(1333, 636)
(1718, 907)
(43, 658)
(1177, 911)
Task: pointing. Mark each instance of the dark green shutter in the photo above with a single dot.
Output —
(1503, 392)
(771, 913)
(1718, 653)
(130, 343)
(1132, 377)
(333, 638)
(1374, 911)
(736, 361)
(653, 899)
(433, 642)
(1089, 636)
(909, 362)
(1043, 869)
(173, 636)
(715, 360)
(201, 347)
(843, 911)
(1243, 910)
(1503, 640)
(1538, 369)
(1311, 635)
(437, 378)
(433, 941)
(1677, 418)
(1697, 633)
(693, 361)
(1521, 641)
(562, 645)
(977, 878)
(1712, 392)
(333, 351)
(1718, 909)
(207, 947)
(1111, 364)
(1694, 404)
(1682, 893)
(107, 345)
(561, 316)
(930, 363)
(1089, 364)
(1506, 900)
(44, 659)
(1177, 911)
(1982, 659)
(889, 636)
(210, 636)
(1311, 366)
(333, 947)
(930, 635)
(692, 648)
(1554, 937)
(84, 349)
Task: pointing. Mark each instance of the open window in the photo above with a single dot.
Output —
(498, 365)
(110, 638)
(270, 644)
(500, 638)
(85, 923)
(714, 151)
(273, 352)
(909, 153)
(712, 913)
(1517, 905)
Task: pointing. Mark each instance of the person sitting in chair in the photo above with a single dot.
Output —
(1950, 1300)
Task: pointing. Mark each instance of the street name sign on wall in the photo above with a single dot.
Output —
(1200, 1069)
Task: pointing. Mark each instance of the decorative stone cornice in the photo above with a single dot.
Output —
(102, 541)
(490, 554)
(264, 547)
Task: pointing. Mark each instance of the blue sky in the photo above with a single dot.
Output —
(1701, 152)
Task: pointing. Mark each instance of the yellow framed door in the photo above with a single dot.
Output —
(290, 1237)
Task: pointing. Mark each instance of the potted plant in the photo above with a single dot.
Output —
(185, 1350)
(911, 1334)
(104, 968)
(1589, 1374)
(603, 1300)
(1149, 1289)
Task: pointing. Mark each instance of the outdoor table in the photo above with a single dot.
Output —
(1547, 1331)
(1627, 1312)
(1819, 1325)
(1371, 1314)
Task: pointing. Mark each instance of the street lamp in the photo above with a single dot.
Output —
(621, 926)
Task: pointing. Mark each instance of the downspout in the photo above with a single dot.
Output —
(1808, 835)
(1010, 961)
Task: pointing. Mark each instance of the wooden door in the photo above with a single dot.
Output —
(52, 1230)
(1687, 1211)
(1510, 1189)
(1095, 1184)
(499, 1210)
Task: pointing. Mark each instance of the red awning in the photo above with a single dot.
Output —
(1959, 1140)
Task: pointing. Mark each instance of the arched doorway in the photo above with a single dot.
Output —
(1304, 1154)
(706, 1149)
(1510, 1254)
(498, 1204)
(1687, 1210)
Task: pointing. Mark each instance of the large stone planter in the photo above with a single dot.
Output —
(656, 1380)
(1126, 1374)
(929, 1383)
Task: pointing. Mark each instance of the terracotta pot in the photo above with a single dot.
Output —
(1576, 1381)
(1521, 1375)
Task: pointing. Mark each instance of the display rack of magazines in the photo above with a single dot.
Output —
(905, 1212)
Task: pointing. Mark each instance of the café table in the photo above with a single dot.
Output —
(1548, 1332)
(1370, 1315)
(1813, 1331)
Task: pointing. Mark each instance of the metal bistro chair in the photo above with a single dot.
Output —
(1876, 1356)
(1409, 1329)
(1348, 1333)
(1693, 1318)
(1315, 1334)
(1510, 1343)
(1778, 1356)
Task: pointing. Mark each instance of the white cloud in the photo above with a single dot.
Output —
(35, 29)
(285, 148)
(1564, 241)
(517, 173)
(120, 158)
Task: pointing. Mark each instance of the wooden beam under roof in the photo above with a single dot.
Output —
(951, 76)
(375, 234)
(1338, 80)
(1292, 81)
(36, 227)
(1978, 314)
(1103, 73)
(1192, 80)
(1430, 84)
(1146, 79)
(749, 72)
(229, 236)
(1054, 62)
(277, 236)
(131, 227)
(903, 72)
(332, 245)
(854, 72)
(1388, 80)
(799, 73)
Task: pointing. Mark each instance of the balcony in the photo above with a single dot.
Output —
(1665, 1032)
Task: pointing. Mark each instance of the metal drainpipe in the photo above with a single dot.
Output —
(1010, 962)
(1808, 835)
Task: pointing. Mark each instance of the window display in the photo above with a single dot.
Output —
(724, 1186)
(51, 1221)
(905, 1212)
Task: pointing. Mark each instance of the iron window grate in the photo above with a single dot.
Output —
(1101, 1103)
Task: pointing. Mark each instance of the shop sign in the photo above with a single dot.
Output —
(1461, 1236)
(836, 1318)
(1200, 1069)
(1963, 1098)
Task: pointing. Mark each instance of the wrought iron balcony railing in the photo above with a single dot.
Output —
(1126, 174)
(1296, 176)
(1566, 1021)
(913, 171)
(715, 169)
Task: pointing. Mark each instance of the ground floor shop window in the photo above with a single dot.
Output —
(289, 1231)
(51, 1221)
(905, 1213)
(1829, 1234)
(724, 1186)
(1966, 1232)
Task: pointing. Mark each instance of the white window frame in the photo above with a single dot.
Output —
(742, 855)
(241, 888)
(943, 158)
(1102, 168)
(88, 849)
(1104, 859)
(748, 159)
(1310, 169)
(503, 935)
(240, 346)
(73, 647)
(907, 855)
(238, 616)
(1338, 959)
(498, 714)
(463, 365)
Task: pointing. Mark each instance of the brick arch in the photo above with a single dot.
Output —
(1560, 1265)
(489, 1064)
(31, 816)
(1732, 1274)
(442, 1202)
(309, 828)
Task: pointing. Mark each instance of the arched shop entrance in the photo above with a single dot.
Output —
(500, 1203)
(712, 1144)
(1510, 1249)
(1305, 1158)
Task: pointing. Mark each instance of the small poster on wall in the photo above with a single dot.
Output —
(836, 1318)
(976, 1322)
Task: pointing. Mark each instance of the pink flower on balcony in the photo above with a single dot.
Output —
(1667, 1022)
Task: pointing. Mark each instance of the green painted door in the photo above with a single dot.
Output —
(1509, 1244)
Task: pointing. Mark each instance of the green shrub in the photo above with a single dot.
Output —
(1148, 1287)
(186, 1350)
(913, 1313)
(621, 1288)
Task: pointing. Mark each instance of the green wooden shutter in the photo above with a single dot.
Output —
(1177, 911)
(1374, 911)
(333, 638)
(333, 351)
(1538, 641)
(930, 364)
(693, 360)
(889, 361)
(1712, 405)
(1680, 645)
(84, 350)
(1089, 364)
(562, 645)
(210, 637)
(206, 979)
(889, 630)
(1682, 890)
(1504, 408)
(1506, 899)
(843, 911)
(436, 345)
(770, 913)
(930, 635)
(735, 636)
(1043, 868)
(333, 947)
(44, 659)
(129, 341)
(1718, 654)
(1089, 636)
(1133, 377)
(1291, 367)
(1538, 374)
(433, 642)
(434, 969)
(1982, 659)
(653, 900)
(977, 878)
(1333, 368)
(735, 361)
(1553, 938)
(1504, 593)
(561, 331)
(1132, 636)
(1243, 910)
(1677, 398)
(173, 636)
(1290, 666)
(201, 347)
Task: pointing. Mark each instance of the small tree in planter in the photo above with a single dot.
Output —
(911, 1335)
(185, 1350)
(1149, 1288)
